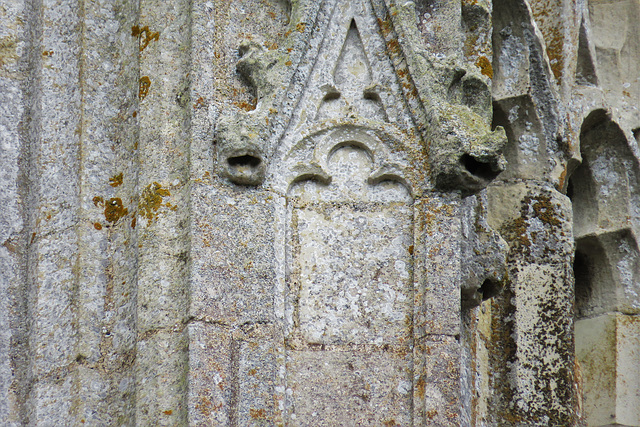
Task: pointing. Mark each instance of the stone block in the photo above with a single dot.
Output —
(260, 354)
(543, 335)
(609, 359)
(234, 375)
(233, 270)
(352, 273)
(437, 231)
(161, 378)
(210, 375)
(534, 219)
(437, 381)
(332, 388)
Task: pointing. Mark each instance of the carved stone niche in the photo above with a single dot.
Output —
(360, 211)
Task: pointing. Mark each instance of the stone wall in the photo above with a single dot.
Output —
(335, 212)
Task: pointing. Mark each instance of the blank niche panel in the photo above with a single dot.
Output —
(351, 253)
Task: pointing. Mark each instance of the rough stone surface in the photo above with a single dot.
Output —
(333, 212)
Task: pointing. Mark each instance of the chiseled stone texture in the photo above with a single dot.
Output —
(330, 212)
(328, 388)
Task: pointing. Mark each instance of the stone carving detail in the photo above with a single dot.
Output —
(360, 77)
(240, 135)
(354, 148)
(484, 254)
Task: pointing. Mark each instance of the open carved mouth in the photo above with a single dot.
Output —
(245, 161)
(479, 169)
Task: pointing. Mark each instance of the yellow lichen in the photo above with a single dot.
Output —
(116, 180)
(114, 209)
(145, 83)
(151, 201)
(485, 66)
(149, 35)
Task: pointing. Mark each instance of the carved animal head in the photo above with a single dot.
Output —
(466, 156)
(240, 149)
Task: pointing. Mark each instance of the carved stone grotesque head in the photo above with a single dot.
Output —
(240, 149)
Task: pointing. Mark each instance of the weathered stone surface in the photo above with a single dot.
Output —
(234, 267)
(437, 297)
(608, 357)
(274, 212)
(325, 388)
(437, 390)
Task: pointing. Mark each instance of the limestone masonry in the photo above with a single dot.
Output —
(319, 213)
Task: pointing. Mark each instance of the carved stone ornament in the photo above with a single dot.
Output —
(363, 71)
(365, 148)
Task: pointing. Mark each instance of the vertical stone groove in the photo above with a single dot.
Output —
(164, 220)
(53, 189)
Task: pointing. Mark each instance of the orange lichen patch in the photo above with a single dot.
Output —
(555, 44)
(97, 226)
(47, 53)
(471, 45)
(151, 201)
(200, 102)
(420, 387)
(561, 180)
(545, 14)
(288, 63)
(114, 210)
(301, 27)
(98, 201)
(545, 211)
(393, 46)
(143, 91)
(485, 66)
(247, 106)
(149, 35)
(258, 414)
(133, 222)
(385, 26)
(168, 412)
(431, 414)
(116, 180)
(205, 178)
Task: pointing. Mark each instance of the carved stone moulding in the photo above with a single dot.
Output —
(356, 75)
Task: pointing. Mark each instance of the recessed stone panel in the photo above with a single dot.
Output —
(355, 272)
